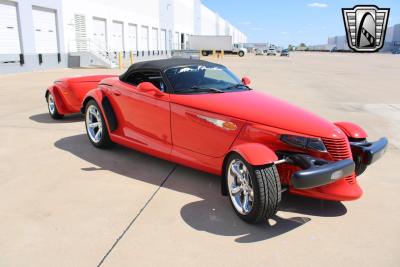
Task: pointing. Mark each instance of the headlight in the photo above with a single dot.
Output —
(304, 142)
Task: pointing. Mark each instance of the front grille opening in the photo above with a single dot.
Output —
(339, 149)
(351, 179)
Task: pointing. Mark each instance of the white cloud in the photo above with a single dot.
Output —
(318, 5)
(284, 33)
(245, 23)
(256, 29)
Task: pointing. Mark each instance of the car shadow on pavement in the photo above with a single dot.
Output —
(212, 213)
(45, 118)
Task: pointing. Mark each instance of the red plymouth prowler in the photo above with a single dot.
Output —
(199, 114)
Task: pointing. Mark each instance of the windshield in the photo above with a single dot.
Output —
(203, 79)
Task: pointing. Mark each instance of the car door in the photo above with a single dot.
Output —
(198, 129)
(145, 117)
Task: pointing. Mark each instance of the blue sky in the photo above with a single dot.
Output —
(292, 22)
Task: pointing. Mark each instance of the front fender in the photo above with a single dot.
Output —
(351, 130)
(255, 154)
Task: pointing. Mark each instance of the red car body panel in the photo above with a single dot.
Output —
(261, 108)
(352, 130)
(70, 92)
(200, 130)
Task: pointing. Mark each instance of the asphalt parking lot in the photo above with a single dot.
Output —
(65, 203)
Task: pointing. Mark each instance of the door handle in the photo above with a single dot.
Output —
(117, 92)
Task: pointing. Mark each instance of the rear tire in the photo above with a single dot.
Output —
(204, 53)
(96, 127)
(262, 189)
(52, 107)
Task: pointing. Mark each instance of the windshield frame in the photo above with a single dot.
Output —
(172, 89)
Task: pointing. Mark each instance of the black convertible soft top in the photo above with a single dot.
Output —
(163, 64)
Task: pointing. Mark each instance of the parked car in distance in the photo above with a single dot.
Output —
(271, 52)
(199, 114)
(285, 53)
(396, 51)
(259, 52)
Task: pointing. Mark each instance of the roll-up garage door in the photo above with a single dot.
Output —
(145, 38)
(132, 37)
(99, 34)
(154, 39)
(44, 23)
(163, 40)
(177, 41)
(117, 36)
(9, 32)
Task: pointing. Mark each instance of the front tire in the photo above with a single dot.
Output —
(254, 191)
(241, 53)
(96, 127)
(52, 107)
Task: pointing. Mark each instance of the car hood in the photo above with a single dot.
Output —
(261, 108)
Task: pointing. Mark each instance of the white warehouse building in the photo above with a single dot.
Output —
(41, 34)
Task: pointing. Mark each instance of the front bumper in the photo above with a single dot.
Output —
(369, 152)
(318, 172)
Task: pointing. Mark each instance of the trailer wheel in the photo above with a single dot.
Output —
(52, 107)
(241, 53)
(254, 191)
(204, 53)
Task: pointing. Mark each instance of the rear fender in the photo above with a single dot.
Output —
(95, 94)
(105, 106)
(351, 130)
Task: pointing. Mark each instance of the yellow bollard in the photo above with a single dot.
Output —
(131, 57)
(119, 60)
(213, 52)
(222, 53)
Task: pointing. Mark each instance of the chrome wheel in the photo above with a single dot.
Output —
(240, 186)
(51, 104)
(94, 124)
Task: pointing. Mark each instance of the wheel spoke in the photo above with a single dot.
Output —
(246, 203)
(251, 196)
(51, 104)
(240, 186)
(98, 135)
(236, 189)
(93, 114)
(236, 172)
(93, 124)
